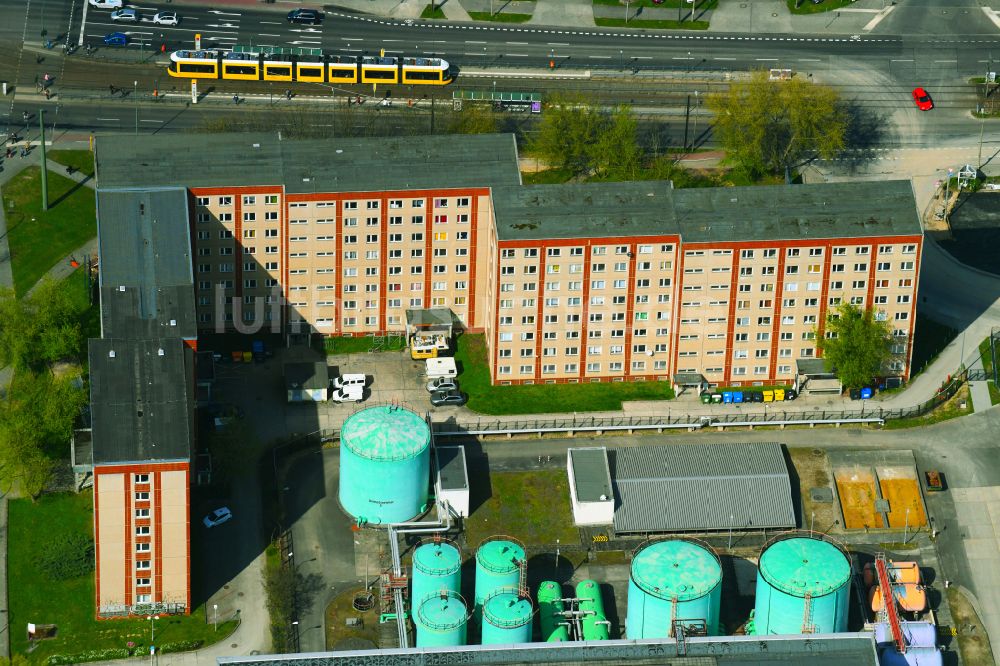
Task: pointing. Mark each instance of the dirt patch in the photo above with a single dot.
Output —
(973, 643)
(340, 635)
(812, 466)
(857, 498)
(903, 495)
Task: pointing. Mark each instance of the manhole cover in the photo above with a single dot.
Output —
(225, 587)
(882, 506)
(774, 13)
(821, 495)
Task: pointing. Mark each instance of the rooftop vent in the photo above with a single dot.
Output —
(256, 145)
(173, 322)
(121, 287)
(111, 354)
(159, 352)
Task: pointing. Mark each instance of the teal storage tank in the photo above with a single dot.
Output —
(436, 566)
(550, 605)
(498, 562)
(673, 580)
(803, 583)
(594, 623)
(384, 464)
(506, 618)
(441, 619)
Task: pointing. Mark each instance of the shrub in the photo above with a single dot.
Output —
(68, 556)
(179, 646)
(89, 655)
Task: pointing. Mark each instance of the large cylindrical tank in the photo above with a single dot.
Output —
(497, 565)
(506, 617)
(594, 623)
(921, 645)
(803, 584)
(436, 566)
(384, 464)
(670, 581)
(550, 605)
(441, 619)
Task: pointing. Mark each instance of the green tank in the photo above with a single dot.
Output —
(594, 623)
(549, 605)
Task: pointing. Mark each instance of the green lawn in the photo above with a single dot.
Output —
(987, 356)
(543, 398)
(653, 25)
(90, 317)
(81, 160)
(38, 240)
(69, 604)
(530, 506)
(807, 6)
(432, 12)
(500, 18)
(949, 410)
(343, 345)
(665, 4)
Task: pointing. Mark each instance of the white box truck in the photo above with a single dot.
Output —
(441, 367)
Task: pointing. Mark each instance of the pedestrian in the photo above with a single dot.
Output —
(163, 48)
(288, 95)
(236, 99)
(112, 89)
(24, 116)
(48, 93)
(46, 78)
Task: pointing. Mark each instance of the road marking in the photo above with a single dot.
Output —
(516, 55)
(271, 23)
(723, 58)
(518, 43)
(557, 44)
(471, 42)
(220, 13)
(264, 34)
(392, 40)
(875, 21)
(642, 57)
(108, 120)
(767, 60)
(905, 60)
(810, 60)
(600, 57)
(943, 61)
(682, 58)
(992, 15)
(160, 122)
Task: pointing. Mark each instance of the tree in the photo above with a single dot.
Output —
(616, 155)
(767, 126)
(567, 133)
(40, 328)
(475, 119)
(860, 347)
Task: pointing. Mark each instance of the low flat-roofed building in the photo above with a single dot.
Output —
(703, 488)
(453, 478)
(590, 488)
(307, 382)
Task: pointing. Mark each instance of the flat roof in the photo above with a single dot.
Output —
(307, 165)
(307, 375)
(452, 469)
(139, 400)
(430, 317)
(146, 281)
(678, 488)
(591, 474)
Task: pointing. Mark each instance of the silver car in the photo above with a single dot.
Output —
(442, 384)
(124, 16)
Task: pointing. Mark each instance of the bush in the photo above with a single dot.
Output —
(179, 646)
(68, 556)
(90, 655)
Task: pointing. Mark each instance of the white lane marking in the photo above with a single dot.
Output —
(943, 61)
(557, 44)
(723, 58)
(682, 58)
(472, 42)
(108, 120)
(265, 34)
(810, 60)
(516, 55)
(878, 19)
(271, 23)
(159, 122)
(600, 57)
(992, 15)
(221, 13)
(767, 60)
(517, 43)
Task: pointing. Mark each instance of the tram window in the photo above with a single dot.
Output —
(342, 73)
(196, 69)
(278, 71)
(311, 71)
(423, 76)
(241, 69)
(379, 74)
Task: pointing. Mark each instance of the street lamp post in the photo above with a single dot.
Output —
(906, 525)
(215, 614)
(135, 96)
(621, 59)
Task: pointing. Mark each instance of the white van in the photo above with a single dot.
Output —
(441, 367)
(353, 393)
(349, 380)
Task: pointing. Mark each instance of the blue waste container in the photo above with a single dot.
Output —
(727, 397)
(737, 396)
(866, 393)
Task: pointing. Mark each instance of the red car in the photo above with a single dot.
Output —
(922, 99)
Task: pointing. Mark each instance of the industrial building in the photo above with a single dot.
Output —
(569, 283)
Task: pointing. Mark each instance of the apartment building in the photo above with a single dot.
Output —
(577, 282)
(142, 383)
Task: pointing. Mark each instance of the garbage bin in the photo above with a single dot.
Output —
(768, 396)
(779, 395)
(706, 398)
(866, 393)
(716, 398)
(737, 397)
(727, 397)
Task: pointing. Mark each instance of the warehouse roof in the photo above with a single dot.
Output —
(307, 165)
(591, 474)
(701, 488)
(452, 468)
(144, 243)
(307, 376)
(139, 400)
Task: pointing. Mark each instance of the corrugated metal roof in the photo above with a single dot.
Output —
(452, 467)
(701, 488)
(139, 400)
(591, 473)
(307, 165)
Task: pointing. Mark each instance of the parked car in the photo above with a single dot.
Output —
(453, 397)
(116, 39)
(107, 4)
(922, 99)
(125, 16)
(441, 367)
(305, 16)
(348, 394)
(442, 384)
(165, 18)
(217, 517)
(348, 380)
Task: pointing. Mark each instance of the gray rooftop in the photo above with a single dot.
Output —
(307, 165)
(678, 488)
(452, 470)
(711, 214)
(307, 375)
(139, 400)
(147, 288)
(430, 318)
(591, 474)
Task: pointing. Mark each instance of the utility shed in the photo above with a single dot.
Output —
(307, 382)
(811, 376)
(680, 488)
(453, 478)
(590, 486)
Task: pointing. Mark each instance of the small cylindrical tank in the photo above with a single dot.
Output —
(673, 581)
(506, 617)
(594, 623)
(498, 562)
(803, 583)
(441, 620)
(436, 566)
(550, 605)
(384, 464)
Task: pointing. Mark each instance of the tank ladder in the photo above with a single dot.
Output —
(522, 579)
(673, 618)
(677, 627)
(889, 611)
(807, 624)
